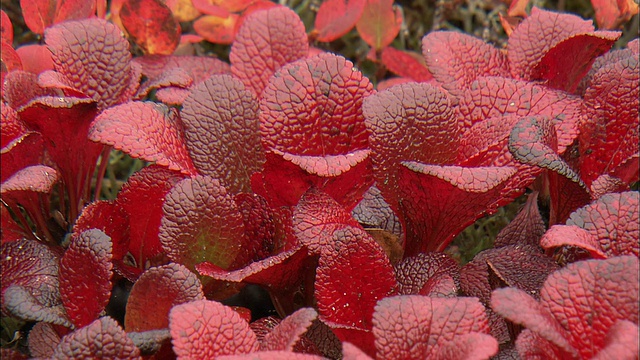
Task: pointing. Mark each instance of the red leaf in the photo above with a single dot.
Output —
(217, 29)
(111, 219)
(621, 342)
(156, 292)
(315, 219)
(520, 266)
(41, 14)
(6, 28)
(350, 279)
(271, 355)
(201, 222)
(495, 96)
(266, 41)
(329, 92)
(142, 197)
(43, 340)
(536, 35)
(456, 60)
(103, 339)
(429, 134)
(286, 177)
(406, 64)
(259, 222)
(564, 65)
(613, 14)
(151, 25)
(33, 266)
(430, 274)
(288, 332)
(9, 60)
(419, 327)
(335, 18)
(23, 152)
(526, 228)
(352, 352)
(222, 131)
(281, 272)
(203, 329)
(432, 222)
(21, 87)
(571, 235)
(11, 126)
(35, 58)
(380, 23)
(85, 276)
(93, 57)
(609, 133)
(199, 68)
(577, 324)
(145, 130)
(613, 221)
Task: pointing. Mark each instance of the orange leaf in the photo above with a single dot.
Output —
(380, 23)
(217, 29)
(151, 25)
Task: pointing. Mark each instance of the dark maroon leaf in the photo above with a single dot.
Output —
(288, 332)
(259, 223)
(30, 188)
(85, 276)
(156, 292)
(430, 274)
(576, 325)
(43, 340)
(145, 130)
(201, 223)
(222, 131)
(102, 339)
(420, 327)
(526, 228)
(93, 57)
(33, 266)
(21, 303)
(352, 275)
(202, 329)
(266, 41)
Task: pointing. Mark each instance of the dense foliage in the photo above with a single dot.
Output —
(337, 192)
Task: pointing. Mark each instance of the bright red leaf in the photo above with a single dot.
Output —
(419, 327)
(6, 28)
(35, 58)
(85, 276)
(335, 18)
(267, 40)
(221, 130)
(156, 292)
(151, 25)
(204, 329)
(111, 219)
(609, 133)
(102, 339)
(380, 23)
(41, 14)
(405, 63)
(351, 277)
(576, 325)
(145, 130)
